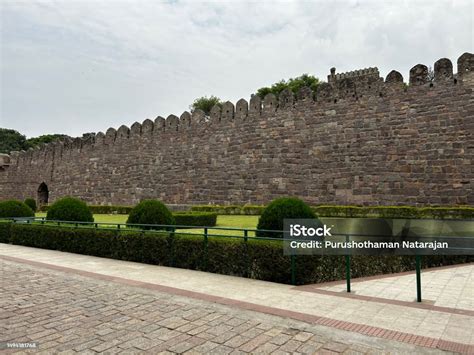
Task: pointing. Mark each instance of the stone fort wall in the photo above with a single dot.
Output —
(358, 140)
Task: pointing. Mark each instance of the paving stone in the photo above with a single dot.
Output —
(186, 345)
(141, 343)
(87, 345)
(224, 337)
(336, 347)
(255, 342)
(163, 334)
(92, 316)
(236, 341)
(302, 336)
(221, 349)
(198, 330)
(266, 348)
(274, 332)
(106, 345)
(204, 348)
(291, 346)
(280, 339)
(309, 347)
(219, 329)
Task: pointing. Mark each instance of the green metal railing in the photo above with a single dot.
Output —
(244, 235)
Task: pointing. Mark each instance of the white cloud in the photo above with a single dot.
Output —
(77, 66)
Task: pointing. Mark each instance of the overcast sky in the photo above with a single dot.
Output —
(83, 66)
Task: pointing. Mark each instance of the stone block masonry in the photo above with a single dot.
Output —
(358, 140)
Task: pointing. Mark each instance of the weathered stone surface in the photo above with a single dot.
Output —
(241, 109)
(419, 75)
(388, 146)
(394, 77)
(443, 69)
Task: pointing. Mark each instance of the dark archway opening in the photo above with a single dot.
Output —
(43, 194)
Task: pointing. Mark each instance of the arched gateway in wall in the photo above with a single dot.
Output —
(43, 194)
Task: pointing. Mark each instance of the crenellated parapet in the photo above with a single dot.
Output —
(353, 86)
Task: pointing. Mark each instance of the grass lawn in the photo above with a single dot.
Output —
(232, 221)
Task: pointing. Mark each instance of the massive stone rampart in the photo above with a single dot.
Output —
(358, 140)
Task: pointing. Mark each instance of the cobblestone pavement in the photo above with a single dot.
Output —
(67, 313)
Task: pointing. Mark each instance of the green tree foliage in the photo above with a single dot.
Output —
(46, 138)
(294, 84)
(205, 103)
(11, 140)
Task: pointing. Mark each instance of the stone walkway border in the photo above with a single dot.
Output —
(324, 321)
(386, 276)
(317, 288)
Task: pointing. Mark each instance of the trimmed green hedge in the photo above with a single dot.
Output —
(70, 209)
(280, 209)
(31, 203)
(15, 208)
(462, 212)
(231, 209)
(258, 259)
(150, 212)
(97, 209)
(5, 231)
(200, 219)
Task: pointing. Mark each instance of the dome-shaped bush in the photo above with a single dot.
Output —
(279, 209)
(31, 203)
(70, 209)
(14, 208)
(150, 212)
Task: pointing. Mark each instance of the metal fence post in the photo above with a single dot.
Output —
(247, 259)
(418, 278)
(171, 244)
(293, 269)
(348, 269)
(348, 273)
(205, 249)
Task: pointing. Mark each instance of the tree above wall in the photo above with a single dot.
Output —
(294, 84)
(11, 140)
(205, 104)
(46, 138)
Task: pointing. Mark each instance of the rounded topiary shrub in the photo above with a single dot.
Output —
(14, 208)
(279, 209)
(69, 209)
(150, 212)
(31, 203)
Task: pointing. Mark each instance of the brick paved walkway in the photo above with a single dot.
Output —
(67, 313)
